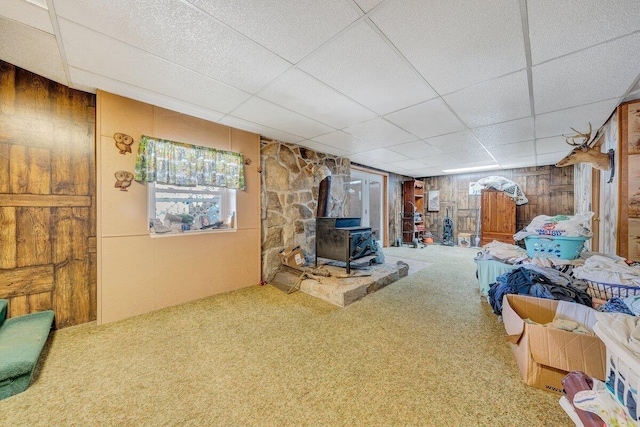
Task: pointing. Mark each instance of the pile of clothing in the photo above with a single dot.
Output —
(538, 282)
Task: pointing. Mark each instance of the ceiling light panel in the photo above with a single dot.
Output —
(265, 113)
(559, 27)
(300, 92)
(505, 133)
(29, 13)
(290, 29)
(560, 122)
(31, 49)
(181, 34)
(427, 119)
(85, 49)
(592, 75)
(495, 101)
(362, 66)
(455, 44)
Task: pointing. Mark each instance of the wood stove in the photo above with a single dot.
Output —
(342, 239)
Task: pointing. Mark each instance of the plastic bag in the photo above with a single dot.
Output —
(558, 226)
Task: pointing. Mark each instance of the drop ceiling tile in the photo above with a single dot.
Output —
(602, 72)
(182, 34)
(362, 66)
(31, 49)
(275, 134)
(437, 160)
(455, 44)
(455, 142)
(519, 162)
(290, 29)
(28, 13)
(367, 5)
(561, 121)
(510, 151)
(263, 112)
(408, 164)
(415, 149)
(558, 27)
(548, 159)
(88, 79)
(345, 142)
(395, 167)
(472, 156)
(505, 133)
(380, 132)
(377, 156)
(423, 172)
(554, 144)
(322, 148)
(430, 118)
(300, 92)
(85, 50)
(632, 96)
(495, 101)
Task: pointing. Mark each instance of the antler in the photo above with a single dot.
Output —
(585, 135)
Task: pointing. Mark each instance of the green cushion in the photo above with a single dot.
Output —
(21, 341)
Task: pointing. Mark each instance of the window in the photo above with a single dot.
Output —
(191, 188)
(175, 209)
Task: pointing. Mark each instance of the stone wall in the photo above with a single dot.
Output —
(290, 196)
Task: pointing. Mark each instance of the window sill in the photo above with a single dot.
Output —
(192, 232)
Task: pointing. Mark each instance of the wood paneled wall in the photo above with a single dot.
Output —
(47, 197)
(548, 188)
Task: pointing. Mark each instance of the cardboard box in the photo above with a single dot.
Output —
(544, 354)
(292, 257)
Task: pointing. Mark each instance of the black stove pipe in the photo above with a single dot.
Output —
(323, 197)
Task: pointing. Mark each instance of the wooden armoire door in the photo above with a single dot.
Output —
(498, 213)
(47, 197)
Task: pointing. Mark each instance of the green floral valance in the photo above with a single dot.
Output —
(186, 165)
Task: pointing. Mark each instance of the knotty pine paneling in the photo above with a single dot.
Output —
(548, 188)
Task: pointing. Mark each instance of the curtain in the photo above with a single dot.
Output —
(186, 165)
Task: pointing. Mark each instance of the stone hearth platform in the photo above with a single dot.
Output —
(340, 290)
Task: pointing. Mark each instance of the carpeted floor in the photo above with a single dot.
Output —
(423, 351)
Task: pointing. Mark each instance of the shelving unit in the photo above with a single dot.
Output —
(413, 212)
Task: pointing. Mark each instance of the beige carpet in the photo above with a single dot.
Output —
(423, 351)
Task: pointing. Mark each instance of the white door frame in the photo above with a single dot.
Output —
(382, 178)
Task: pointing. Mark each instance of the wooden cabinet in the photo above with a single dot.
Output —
(498, 214)
(412, 211)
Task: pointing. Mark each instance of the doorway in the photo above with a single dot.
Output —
(367, 201)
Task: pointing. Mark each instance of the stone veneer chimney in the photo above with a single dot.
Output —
(290, 179)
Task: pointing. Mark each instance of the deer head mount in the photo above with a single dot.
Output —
(587, 150)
